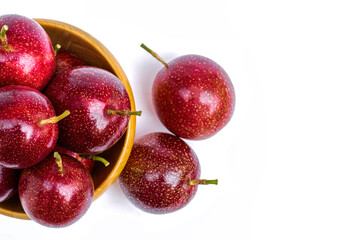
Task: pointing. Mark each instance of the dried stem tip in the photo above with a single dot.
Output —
(154, 54)
(59, 162)
(202, 181)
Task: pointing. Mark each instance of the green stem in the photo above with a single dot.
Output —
(123, 112)
(154, 54)
(54, 119)
(56, 48)
(4, 42)
(202, 181)
(100, 159)
(59, 162)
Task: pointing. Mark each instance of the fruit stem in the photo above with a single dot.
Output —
(100, 159)
(54, 119)
(4, 42)
(123, 112)
(56, 48)
(154, 54)
(59, 162)
(202, 181)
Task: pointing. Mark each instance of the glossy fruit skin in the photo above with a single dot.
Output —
(88, 163)
(29, 59)
(52, 198)
(66, 60)
(193, 97)
(23, 142)
(155, 178)
(87, 92)
(8, 183)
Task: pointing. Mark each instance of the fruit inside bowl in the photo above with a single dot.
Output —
(80, 43)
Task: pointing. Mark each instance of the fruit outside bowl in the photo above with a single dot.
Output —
(94, 54)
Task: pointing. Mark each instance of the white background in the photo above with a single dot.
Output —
(287, 163)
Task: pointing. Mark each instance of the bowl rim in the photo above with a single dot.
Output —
(130, 133)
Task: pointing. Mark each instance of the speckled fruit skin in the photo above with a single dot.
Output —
(66, 60)
(8, 183)
(194, 97)
(87, 92)
(54, 199)
(23, 142)
(88, 163)
(155, 178)
(29, 59)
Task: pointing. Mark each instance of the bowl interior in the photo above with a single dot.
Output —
(94, 54)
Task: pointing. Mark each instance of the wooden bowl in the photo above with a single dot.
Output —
(94, 54)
